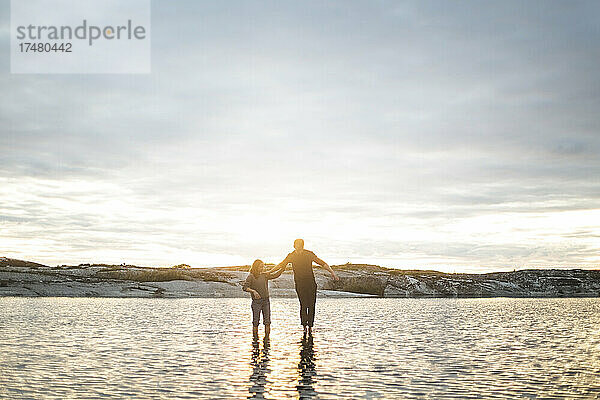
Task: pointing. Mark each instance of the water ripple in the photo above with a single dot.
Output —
(60, 348)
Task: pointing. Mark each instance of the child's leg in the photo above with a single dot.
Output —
(266, 309)
(256, 308)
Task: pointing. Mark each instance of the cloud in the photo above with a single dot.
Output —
(360, 125)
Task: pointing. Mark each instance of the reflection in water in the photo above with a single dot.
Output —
(443, 349)
(260, 369)
(306, 369)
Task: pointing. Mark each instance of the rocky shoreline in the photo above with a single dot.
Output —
(23, 278)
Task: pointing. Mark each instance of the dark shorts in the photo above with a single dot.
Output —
(258, 306)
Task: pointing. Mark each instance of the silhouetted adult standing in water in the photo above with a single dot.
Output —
(306, 286)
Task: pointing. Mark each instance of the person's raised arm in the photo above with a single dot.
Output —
(326, 266)
(282, 264)
(276, 271)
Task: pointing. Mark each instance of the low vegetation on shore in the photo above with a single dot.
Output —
(163, 275)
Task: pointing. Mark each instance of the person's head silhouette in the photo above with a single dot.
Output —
(257, 267)
(299, 244)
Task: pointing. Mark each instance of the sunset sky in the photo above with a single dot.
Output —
(451, 136)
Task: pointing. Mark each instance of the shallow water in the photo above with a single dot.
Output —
(362, 348)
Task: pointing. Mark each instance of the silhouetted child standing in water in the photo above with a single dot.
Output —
(257, 283)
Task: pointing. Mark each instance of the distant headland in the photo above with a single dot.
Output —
(24, 278)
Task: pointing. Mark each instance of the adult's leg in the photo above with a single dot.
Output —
(312, 301)
(303, 306)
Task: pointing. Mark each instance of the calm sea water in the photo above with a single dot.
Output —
(362, 348)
